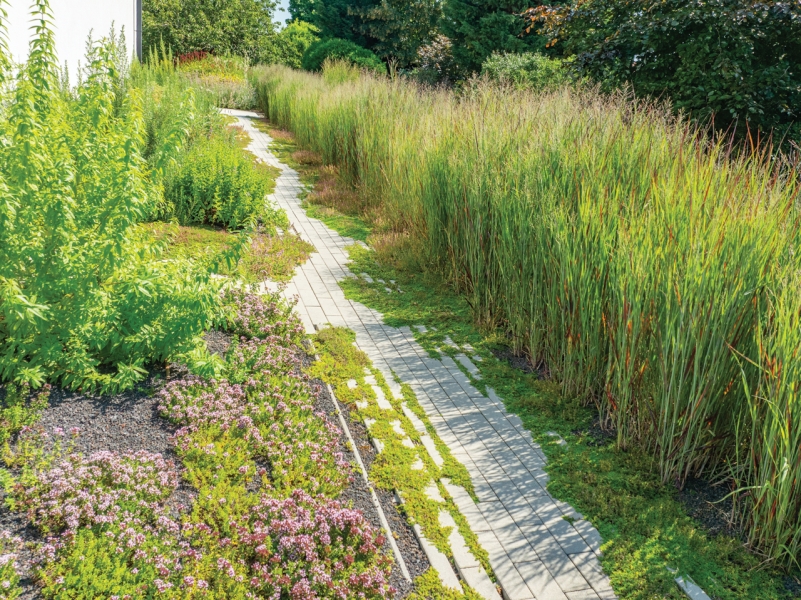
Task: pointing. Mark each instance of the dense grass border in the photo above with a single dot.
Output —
(643, 523)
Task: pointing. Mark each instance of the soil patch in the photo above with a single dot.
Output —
(708, 504)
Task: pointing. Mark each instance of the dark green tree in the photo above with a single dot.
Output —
(738, 61)
(400, 27)
(477, 28)
(336, 18)
(242, 27)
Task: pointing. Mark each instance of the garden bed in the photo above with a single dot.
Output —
(202, 523)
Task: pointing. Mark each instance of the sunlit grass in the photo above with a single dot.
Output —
(651, 270)
(267, 257)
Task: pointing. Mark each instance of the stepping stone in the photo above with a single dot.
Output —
(381, 281)
(379, 445)
(361, 404)
(370, 380)
(438, 561)
(560, 440)
(398, 428)
(421, 328)
(418, 465)
(418, 425)
(431, 448)
(352, 384)
(367, 278)
(467, 364)
(381, 399)
(389, 291)
(467, 565)
(691, 589)
(449, 342)
(432, 491)
(407, 442)
(477, 358)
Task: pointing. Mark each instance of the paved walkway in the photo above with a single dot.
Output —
(539, 548)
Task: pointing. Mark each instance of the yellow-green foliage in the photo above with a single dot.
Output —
(339, 361)
(640, 261)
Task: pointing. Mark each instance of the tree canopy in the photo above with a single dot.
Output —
(242, 27)
(736, 60)
(477, 28)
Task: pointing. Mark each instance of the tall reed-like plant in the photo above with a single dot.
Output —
(616, 243)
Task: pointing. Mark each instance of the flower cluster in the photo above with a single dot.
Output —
(104, 488)
(9, 575)
(262, 316)
(273, 420)
(112, 534)
(308, 548)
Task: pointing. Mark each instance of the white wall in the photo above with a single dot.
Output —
(74, 19)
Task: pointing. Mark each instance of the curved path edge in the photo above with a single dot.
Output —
(540, 548)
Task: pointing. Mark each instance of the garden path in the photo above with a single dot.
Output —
(539, 547)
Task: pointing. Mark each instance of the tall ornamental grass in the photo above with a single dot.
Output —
(86, 298)
(655, 272)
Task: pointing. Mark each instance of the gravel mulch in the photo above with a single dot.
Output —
(707, 504)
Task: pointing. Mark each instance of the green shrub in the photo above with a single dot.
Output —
(736, 60)
(337, 49)
(84, 300)
(530, 70)
(292, 42)
(217, 183)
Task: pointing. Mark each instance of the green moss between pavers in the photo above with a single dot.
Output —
(643, 524)
(339, 360)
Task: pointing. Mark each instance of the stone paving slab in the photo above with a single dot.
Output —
(535, 552)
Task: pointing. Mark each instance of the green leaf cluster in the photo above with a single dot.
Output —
(338, 49)
(85, 300)
(240, 27)
(479, 28)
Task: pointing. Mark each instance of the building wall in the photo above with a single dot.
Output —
(73, 21)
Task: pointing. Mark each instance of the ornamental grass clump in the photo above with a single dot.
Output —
(85, 300)
(646, 264)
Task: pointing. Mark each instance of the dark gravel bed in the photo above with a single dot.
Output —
(359, 495)
(707, 504)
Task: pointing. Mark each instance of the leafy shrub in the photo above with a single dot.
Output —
(233, 27)
(529, 70)
(217, 183)
(84, 299)
(336, 49)
(292, 42)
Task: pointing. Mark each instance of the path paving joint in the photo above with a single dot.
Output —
(540, 548)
